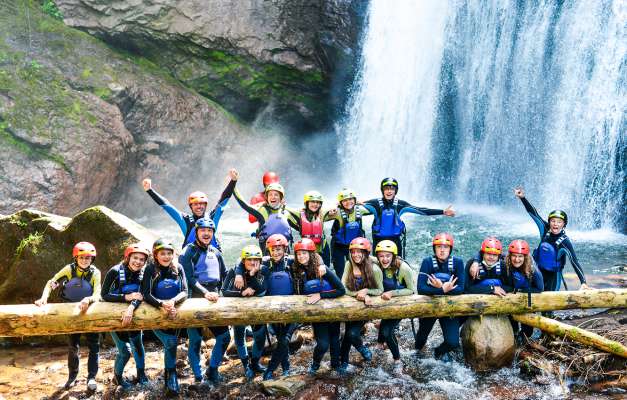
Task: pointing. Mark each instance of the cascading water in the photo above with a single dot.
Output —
(465, 100)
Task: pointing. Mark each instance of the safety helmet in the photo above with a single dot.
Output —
(276, 240)
(305, 244)
(386, 245)
(270, 177)
(389, 182)
(197, 197)
(276, 187)
(360, 243)
(559, 214)
(83, 249)
(313, 195)
(205, 222)
(443, 238)
(161, 244)
(491, 245)
(519, 246)
(346, 194)
(136, 248)
(251, 251)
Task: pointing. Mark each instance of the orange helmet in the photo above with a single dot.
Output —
(443, 238)
(270, 177)
(197, 197)
(519, 246)
(83, 249)
(136, 248)
(305, 244)
(276, 240)
(360, 243)
(491, 245)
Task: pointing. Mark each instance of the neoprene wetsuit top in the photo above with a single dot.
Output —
(154, 273)
(427, 268)
(399, 206)
(256, 282)
(111, 285)
(378, 277)
(196, 257)
(66, 274)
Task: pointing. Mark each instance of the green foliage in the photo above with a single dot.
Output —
(31, 242)
(49, 7)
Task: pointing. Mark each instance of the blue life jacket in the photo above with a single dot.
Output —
(545, 255)
(76, 289)
(443, 276)
(317, 286)
(350, 230)
(280, 284)
(125, 287)
(389, 223)
(167, 289)
(489, 282)
(190, 235)
(206, 266)
(520, 280)
(483, 273)
(276, 223)
(392, 283)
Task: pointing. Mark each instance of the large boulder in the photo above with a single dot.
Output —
(488, 342)
(34, 245)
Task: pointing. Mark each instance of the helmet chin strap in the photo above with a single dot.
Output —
(275, 207)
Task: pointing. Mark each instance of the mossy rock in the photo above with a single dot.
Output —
(34, 245)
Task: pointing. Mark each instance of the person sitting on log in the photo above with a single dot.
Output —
(122, 284)
(197, 202)
(313, 279)
(254, 284)
(398, 280)
(205, 272)
(554, 246)
(486, 273)
(78, 282)
(441, 274)
(164, 286)
(362, 279)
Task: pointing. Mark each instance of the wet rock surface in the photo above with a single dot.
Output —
(488, 342)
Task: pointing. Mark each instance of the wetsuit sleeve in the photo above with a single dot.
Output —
(256, 285)
(567, 247)
(65, 272)
(228, 288)
(222, 266)
(537, 281)
(423, 279)
(365, 210)
(458, 265)
(185, 260)
(182, 296)
(239, 268)
(335, 282)
(111, 281)
(328, 217)
(345, 278)
(172, 211)
(470, 287)
(248, 208)
(404, 208)
(378, 278)
(542, 225)
(96, 282)
(216, 213)
(371, 209)
(507, 283)
(147, 283)
(406, 275)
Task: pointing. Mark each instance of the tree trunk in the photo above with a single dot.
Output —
(52, 319)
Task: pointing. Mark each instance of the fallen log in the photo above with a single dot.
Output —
(52, 319)
(573, 333)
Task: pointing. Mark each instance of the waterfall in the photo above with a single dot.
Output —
(463, 100)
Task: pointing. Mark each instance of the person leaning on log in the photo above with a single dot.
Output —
(486, 273)
(205, 272)
(164, 286)
(122, 284)
(362, 279)
(78, 282)
(441, 274)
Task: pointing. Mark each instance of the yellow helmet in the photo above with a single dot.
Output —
(313, 195)
(346, 194)
(276, 187)
(387, 245)
(251, 251)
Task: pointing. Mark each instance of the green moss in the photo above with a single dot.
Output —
(27, 149)
(49, 7)
(18, 221)
(31, 242)
(86, 73)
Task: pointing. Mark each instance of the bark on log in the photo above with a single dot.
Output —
(573, 333)
(52, 319)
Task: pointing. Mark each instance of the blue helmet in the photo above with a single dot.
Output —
(205, 222)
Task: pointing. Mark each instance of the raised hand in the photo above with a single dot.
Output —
(449, 211)
(519, 192)
(147, 184)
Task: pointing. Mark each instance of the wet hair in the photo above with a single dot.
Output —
(367, 273)
(526, 267)
(311, 268)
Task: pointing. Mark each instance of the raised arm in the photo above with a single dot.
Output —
(172, 211)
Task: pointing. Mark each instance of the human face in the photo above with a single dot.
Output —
(385, 258)
(517, 259)
(252, 265)
(277, 252)
(136, 261)
(303, 257)
(490, 258)
(556, 225)
(84, 261)
(198, 209)
(314, 206)
(357, 255)
(389, 192)
(348, 204)
(204, 235)
(273, 197)
(164, 257)
(442, 251)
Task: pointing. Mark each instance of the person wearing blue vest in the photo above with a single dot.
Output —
(554, 247)
(492, 276)
(441, 274)
(78, 282)
(347, 225)
(309, 279)
(387, 211)
(398, 280)
(254, 285)
(197, 202)
(164, 286)
(205, 272)
(122, 284)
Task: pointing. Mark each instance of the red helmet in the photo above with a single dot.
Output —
(491, 245)
(270, 177)
(136, 248)
(197, 197)
(443, 238)
(83, 249)
(360, 243)
(519, 246)
(276, 240)
(305, 244)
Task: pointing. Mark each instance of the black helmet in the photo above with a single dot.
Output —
(389, 182)
(559, 214)
(161, 244)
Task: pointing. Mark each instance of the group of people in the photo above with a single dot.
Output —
(314, 265)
